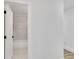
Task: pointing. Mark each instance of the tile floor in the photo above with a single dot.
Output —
(68, 55)
(20, 54)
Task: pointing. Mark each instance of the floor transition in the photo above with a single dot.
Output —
(22, 54)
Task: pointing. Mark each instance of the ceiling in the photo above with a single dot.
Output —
(20, 8)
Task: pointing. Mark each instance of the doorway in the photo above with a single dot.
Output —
(16, 30)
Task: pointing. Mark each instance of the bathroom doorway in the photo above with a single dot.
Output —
(16, 30)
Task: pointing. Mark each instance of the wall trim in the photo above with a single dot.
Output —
(62, 58)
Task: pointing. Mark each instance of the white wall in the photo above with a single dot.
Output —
(69, 29)
(47, 29)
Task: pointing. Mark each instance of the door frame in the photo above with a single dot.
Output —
(8, 32)
(29, 21)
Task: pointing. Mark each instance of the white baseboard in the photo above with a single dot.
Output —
(69, 48)
(20, 44)
(62, 58)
